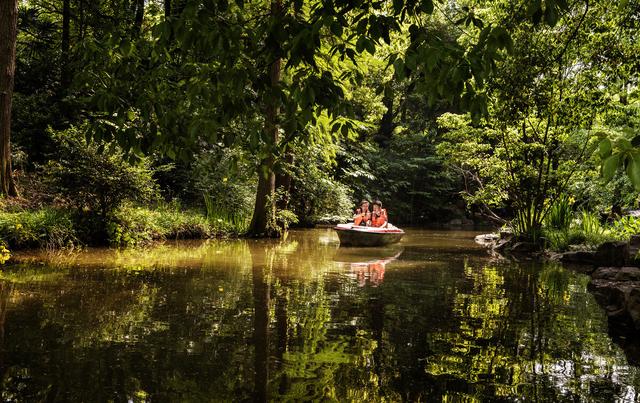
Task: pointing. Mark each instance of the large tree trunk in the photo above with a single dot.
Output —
(264, 210)
(8, 34)
(283, 181)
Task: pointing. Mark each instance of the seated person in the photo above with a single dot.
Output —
(363, 215)
(379, 216)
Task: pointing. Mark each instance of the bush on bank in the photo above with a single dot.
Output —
(127, 226)
(132, 226)
(43, 228)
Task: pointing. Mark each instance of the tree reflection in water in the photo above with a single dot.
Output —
(269, 320)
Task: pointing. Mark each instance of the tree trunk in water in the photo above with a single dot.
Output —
(66, 43)
(261, 289)
(8, 33)
(5, 293)
(264, 210)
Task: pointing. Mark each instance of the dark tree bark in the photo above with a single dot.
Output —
(167, 8)
(8, 35)
(264, 209)
(383, 137)
(66, 43)
(283, 181)
(139, 15)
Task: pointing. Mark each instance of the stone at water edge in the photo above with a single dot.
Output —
(582, 257)
(633, 306)
(617, 289)
(487, 240)
(613, 253)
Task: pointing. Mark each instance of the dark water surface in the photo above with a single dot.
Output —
(432, 319)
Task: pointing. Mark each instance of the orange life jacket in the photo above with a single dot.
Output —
(362, 217)
(379, 220)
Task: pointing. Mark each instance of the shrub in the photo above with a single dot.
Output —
(93, 178)
(227, 177)
(315, 194)
(625, 227)
(46, 228)
(225, 221)
(133, 226)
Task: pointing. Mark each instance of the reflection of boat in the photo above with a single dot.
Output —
(368, 265)
(367, 255)
(354, 235)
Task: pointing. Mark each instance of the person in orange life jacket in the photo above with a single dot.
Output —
(379, 216)
(363, 215)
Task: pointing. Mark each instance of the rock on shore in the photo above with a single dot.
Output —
(617, 289)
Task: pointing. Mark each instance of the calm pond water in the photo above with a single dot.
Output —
(431, 319)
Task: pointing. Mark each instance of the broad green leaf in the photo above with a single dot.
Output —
(623, 144)
(604, 149)
(398, 66)
(633, 172)
(610, 166)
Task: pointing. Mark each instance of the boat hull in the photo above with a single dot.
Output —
(352, 236)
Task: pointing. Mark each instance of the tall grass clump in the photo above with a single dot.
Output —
(560, 214)
(592, 229)
(525, 227)
(44, 228)
(224, 221)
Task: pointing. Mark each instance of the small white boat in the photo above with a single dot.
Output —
(356, 235)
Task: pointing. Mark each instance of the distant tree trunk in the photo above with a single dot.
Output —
(66, 43)
(264, 209)
(383, 137)
(167, 8)
(139, 15)
(8, 34)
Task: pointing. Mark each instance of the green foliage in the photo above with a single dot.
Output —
(227, 179)
(226, 220)
(626, 226)
(593, 230)
(280, 217)
(45, 228)
(94, 178)
(133, 226)
(587, 231)
(560, 214)
(315, 194)
(524, 226)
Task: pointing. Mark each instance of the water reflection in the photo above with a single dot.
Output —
(368, 265)
(304, 320)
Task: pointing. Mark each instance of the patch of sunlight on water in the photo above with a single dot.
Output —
(432, 318)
